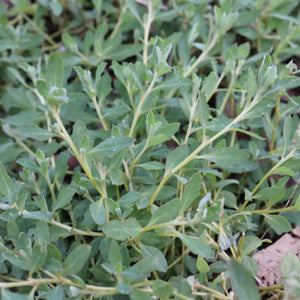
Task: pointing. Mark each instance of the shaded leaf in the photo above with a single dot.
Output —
(76, 259)
(111, 146)
(98, 212)
(115, 230)
(5, 183)
(175, 157)
(54, 74)
(279, 223)
(243, 283)
(165, 213)
(226, 156)
(196, 245)
(64, 197)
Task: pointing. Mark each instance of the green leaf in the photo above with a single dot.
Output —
(132, 227)
(267, 193)
(161, 51)
(98, 212)
(5, 183)
(209, 85)
(284, 171)
(37, 215)
(175, 157)
(161, 134)
(121, 52)
(61, 165)
(270, 76)
(165, 213)
(297, 204)
(64, 197)
(41, 202)
(153, 165)
(226, 156)
(85, 78)
(203, 112)
(146, 265)
(25, 117)
(80, 137)
(76, 259)
(114, 255)
(263, 106)
(38, 258)
(7, 295)
(35, 132)
(243, 283)
(118, 71)
(111, 146)
(266, 63)
(55, 70)
(279, 223)
(57, 293)
(202, 265)
(56, 7)
(290, 264)
(172, 83)
(251, 85)
(162, 289)
(103, 88)
(191, 192)
(196, 245)
(123, 288)
(162, 265)
(250, 244)
(69, 42)
(115, 230)
(133, 9)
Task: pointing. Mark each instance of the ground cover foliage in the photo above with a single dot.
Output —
(148, 148)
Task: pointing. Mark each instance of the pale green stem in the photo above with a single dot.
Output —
(141, 103)
(118, 25)
(74, 230)
(138, 157)
(271, 211)
(19, 142)
(82, 162)
(97, 107)
(202, 57)
(270, 172)
(201, 147)
(147, 27)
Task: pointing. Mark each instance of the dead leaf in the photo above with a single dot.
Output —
(269, 259)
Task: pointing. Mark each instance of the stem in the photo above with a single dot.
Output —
(283, 160)
(271, 211)
(102, 120)
(118, 25)
(276, 124)
(201, 147)
(142, 101)
(47, 37)
(74, 230)
(138, 157)
(147, 32)
(76, 153)
(203, 55)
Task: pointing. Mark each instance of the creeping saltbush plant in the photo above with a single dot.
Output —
(148, 148)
